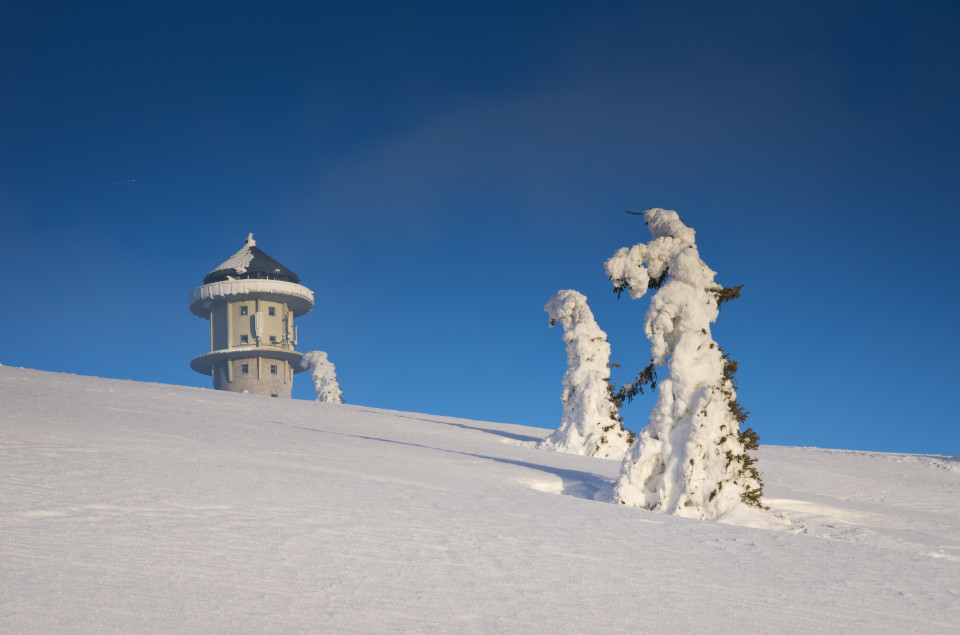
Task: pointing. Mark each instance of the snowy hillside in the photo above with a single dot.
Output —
(142, 507)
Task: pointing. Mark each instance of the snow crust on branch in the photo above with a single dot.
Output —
(324, 376)
(690, 459)
(590, 424)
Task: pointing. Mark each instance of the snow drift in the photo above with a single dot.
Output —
(131, 507)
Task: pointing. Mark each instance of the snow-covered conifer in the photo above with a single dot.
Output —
(691, 458)
(590, 424)
(324, 376)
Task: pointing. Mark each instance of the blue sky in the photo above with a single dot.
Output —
(436, 171)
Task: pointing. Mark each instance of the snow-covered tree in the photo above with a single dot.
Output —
(691, 458)
(590, 424)
(324, 376)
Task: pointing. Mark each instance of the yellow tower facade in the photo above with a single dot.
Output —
(251, 301)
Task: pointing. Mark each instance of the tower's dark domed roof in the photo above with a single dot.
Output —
(250, 262)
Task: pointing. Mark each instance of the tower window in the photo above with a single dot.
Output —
(273, 369)
(244, 339)
(243, 310)
(272, 310)
(273, 339)
(244, 368)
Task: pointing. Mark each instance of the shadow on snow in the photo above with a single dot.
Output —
(574, 483)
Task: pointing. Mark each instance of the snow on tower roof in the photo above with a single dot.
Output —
(250, 262)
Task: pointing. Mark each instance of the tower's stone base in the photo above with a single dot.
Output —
(254, 375)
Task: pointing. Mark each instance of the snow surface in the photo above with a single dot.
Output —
(142, 507)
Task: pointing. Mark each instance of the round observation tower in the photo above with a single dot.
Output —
(251, 301)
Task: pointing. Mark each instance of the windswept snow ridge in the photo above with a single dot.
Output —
(590, 424)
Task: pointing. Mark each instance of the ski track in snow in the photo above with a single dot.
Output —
(128, 507)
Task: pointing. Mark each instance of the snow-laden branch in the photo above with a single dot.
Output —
(324, 376)
(590, 424)
(691, 458)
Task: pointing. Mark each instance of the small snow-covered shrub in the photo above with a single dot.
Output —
(691, 459)
(590, 424)
(324, 376)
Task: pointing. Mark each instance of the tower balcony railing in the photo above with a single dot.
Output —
(297, 297)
